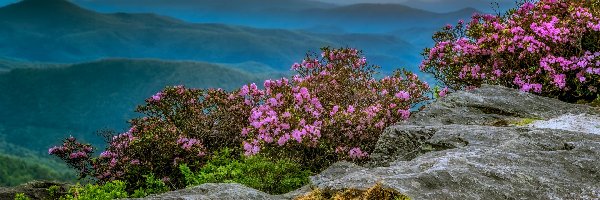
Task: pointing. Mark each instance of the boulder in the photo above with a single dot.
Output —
(33, 190)
(469, 146)
(208, 191)
(494, 106)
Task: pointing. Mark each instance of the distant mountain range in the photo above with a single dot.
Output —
(60, 31)
(40, 106)
(440, 6)
(290, 14)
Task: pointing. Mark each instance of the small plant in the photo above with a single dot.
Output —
(55, 191)
(21, 196)
(274, 177)
(152, 186)
(110, 190)
(75, 154)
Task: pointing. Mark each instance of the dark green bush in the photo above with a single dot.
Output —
(21, 196)
(151, 186)
(110, 190)
(258, 172)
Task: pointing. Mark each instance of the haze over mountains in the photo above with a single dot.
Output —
(59, 31)
(67, 69)
(289, 14)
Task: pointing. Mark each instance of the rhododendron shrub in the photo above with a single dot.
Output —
(332, 109)
(75, 154)
(179, 126)
(547, 47)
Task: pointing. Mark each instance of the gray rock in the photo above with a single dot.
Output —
(494, 106)
(581, 123)
(495, 163)
(464, 147)
(208, 191)
(33, 190)
(489, 105)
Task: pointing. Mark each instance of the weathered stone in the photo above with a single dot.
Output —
(33, 190)
(489, 105)
(497, 163)
(581, 123)
(207, 191)
(465, 147)
(494, 106)
(401, 144)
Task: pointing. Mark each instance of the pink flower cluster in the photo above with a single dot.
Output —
(74, 154)
(334, 101)
(332, 109)
(191, 144)
(548, 47)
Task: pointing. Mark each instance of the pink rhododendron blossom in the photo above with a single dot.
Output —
(543, 44)
(443, 92)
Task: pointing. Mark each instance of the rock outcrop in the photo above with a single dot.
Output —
(465, 146)
(207, 191)
(33, 190)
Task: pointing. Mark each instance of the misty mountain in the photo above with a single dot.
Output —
(290, 14)
(59, 31)
(488, 6)
(40, 106)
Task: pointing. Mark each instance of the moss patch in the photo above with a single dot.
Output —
(524, 121)
(375, 192)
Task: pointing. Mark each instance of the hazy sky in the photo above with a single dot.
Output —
(368, 1)
(432, 5)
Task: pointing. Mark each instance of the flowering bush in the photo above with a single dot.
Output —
(332, 109)
(548, 47)
(180, 125)
(75, 154)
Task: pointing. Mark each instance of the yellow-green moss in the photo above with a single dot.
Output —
(375, 192)
(525, 121)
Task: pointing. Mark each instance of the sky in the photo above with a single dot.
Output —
(368, 1)
(431, 5)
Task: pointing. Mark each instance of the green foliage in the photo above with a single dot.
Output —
(21, 196)
(15, 171)
(54, 192)
(261, 173)
(110, 190)
(152, 186)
